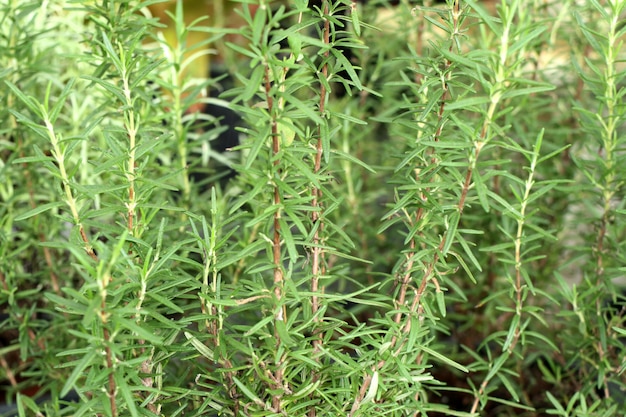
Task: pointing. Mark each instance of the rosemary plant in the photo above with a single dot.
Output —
(423, 215)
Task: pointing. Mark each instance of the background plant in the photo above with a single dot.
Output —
(426, 217)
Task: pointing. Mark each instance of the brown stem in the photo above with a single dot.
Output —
(276, 246)
(109, 362)
(318, 253)
(317, 268)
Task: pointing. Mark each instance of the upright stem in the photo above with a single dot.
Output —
(276, 245)
(131, 125)
(59, 156)
(610, 186)
(318, 253)
(317, 269)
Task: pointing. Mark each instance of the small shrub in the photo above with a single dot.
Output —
(424, 214)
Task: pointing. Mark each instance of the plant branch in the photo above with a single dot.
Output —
(280, 313)
(316, 215)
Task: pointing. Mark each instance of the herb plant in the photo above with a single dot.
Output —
(424, 214)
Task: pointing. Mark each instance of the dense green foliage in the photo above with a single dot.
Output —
(427, 216)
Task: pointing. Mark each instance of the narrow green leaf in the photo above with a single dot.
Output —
(467, 103)
(372, 390)
(21, 401)
(527, 91)
(126, 393)
(244, 52)
(511, 403)
(347, 117)
(139, 331)
(356, 23)
(281, 329)
(496, 365)
(543, 338)
(258, 24)
(285, 231)
(111, 88)
(38, 210)
(505, 204)
(555, 403)
(246, 391)
(513, 329)
(468, 251)
(28, 101)
(60, 103)
(31, 159)
(494, 24)
(164, 301)
(258, 143)
(70, 382)
(481, 191)
(112, 53)
(345, 64)
(441, 303)
(258, 326)
(443, 359)
(143, 72)
(200, 347)
(353, 159)
(453, 223)
(509, 387)
(306, 108)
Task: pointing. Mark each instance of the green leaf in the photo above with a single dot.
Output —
(469, 103)
(258, 24)
(453, 223)
(481, 191)
(356, 23)
(372, 389)
(38, 210)
(286, 132)
(24, 400)
(60, 103)
(245, 52)
(509, 387)
(258, 143)
(123, 387)
(143, 72)
(200, 347)
(353, 159)
(444, 359)
(468, 251)
(139, 331)
(513, 329)
(164, 301)
(295, 44)
(77, 372)
(345, 64)
(112, 54)
(495, 366)
(281, 329)
(527, 91)
(28, 101)
(306, 108)
(555, 403)
(493, 22)
(441, 303)
(246, 391)
(258, 325)
(111, 88)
